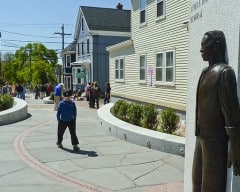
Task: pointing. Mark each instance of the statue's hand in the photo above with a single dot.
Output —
(234, 154)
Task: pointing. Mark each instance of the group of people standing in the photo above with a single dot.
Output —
(93, 92)
(43, 91)
(16, 90)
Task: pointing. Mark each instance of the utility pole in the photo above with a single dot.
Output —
(1, 76)
(30, 62)
(63, 59)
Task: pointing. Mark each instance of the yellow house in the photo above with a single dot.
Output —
(151, 67)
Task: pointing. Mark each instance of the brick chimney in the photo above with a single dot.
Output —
(119, 6)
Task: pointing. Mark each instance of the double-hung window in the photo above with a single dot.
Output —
(82, 48)
(169, 66)
(79, 49)
(160, 8)
(74, 75)
(165, 66)
(159, 67)
(88, 48)
(143, 4)
(68, 60)
(142, 67)
(69, 83)
(82, 24)
(78, 78)
(119, 69)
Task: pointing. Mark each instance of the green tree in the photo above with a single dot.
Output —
(8, 71)
(32, 64)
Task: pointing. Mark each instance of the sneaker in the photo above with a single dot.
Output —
(59, 145)
(76, 148)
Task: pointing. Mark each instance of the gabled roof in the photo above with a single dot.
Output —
(71, 47)
(106, 19)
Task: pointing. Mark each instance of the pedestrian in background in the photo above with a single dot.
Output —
(43, 90)
(91, 96)
(96, 94)
(19, 90)
(107, 94)
(6, 89)
(66, 116)
(87, 91)
(57, 95)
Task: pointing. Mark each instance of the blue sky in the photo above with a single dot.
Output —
(24, 21)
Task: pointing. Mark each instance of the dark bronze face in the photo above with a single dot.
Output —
(207, 48)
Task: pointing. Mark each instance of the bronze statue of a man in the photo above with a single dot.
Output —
(217, 119)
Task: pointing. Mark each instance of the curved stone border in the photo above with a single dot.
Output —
(17, 113)
(134, 134)
(47, 100)
(34, 163)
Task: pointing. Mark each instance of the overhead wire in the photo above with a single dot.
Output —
(48, 27)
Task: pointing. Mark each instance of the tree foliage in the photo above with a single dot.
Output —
(32, 64)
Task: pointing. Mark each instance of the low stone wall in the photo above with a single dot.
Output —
(134, 134)
(47, 100)
(17, 113)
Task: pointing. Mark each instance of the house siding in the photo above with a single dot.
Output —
(155, 35)
(101, 32)
(101, 57)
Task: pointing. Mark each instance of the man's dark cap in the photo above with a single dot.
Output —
(67, 93)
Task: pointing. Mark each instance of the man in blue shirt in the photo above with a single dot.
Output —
(57, 95)
(66, 116)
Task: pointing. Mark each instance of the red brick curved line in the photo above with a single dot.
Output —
(40, 167)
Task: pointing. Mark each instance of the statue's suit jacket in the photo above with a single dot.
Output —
(217, 104)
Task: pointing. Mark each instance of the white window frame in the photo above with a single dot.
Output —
(68, 61)
(143, 67)
(143, 6)
(78, 80)
(79, 49)
(68, 83)
(82, 48)
(88, 46)
(159, 67)
(119, 70)
(82, 24)
(74, 74)
(160, 17)
(165, 67)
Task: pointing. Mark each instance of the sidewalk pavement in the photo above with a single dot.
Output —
(30, 160)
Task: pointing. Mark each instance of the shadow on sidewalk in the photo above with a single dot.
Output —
(81, 152)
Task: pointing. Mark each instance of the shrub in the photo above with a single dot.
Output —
(169, 120)
(120, 109)
(51, 96)
(134, 113)
(150, 117)
(6, 102)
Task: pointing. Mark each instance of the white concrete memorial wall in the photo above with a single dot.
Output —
(207, 15)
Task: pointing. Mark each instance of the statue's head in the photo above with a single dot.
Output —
(213, 46)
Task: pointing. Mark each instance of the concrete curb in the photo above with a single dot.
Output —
(17, 113)
(134, 134)
(47, 100)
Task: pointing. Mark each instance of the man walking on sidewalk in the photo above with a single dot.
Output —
(66, 116)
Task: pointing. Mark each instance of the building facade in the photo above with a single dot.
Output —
(151, 67)
(97, 28)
